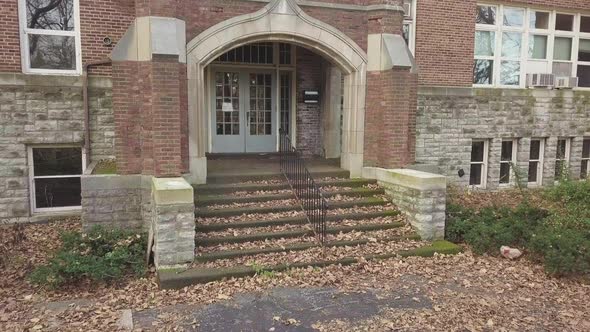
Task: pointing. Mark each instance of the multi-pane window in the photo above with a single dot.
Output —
(562, 157)
(507, 159)
(50, 36)
(479, 160)
(536, 161)
(55, 177)
(485, 45)
(498, 45)
(285, 88)
(512, 41)
(260, 114)
(583, 65)
(285, 54)
(256, 53)
(585, 170)
(227, 103)
(409, 25)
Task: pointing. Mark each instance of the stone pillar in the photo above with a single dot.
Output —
(419, 195)
(332, 112)
(390, 126)
(173, 222)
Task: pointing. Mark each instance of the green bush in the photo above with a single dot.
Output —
(564, 251)
(99, 255)
(458, 222)
(559, 238)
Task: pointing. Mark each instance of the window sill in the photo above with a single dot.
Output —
(46, 217)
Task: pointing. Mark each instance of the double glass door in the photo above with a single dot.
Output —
(244, 112)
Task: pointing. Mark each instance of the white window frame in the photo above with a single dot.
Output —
(526, 31)
(539, 162)
(513, 159)
(410, 21)
(484, 163)
(568, 149)
(585, 160)
(32, 176)
(24, 42)
(580, 35)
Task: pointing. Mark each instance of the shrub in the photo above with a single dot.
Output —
(99, 255)
(564, 251)
(458, 223)
(559, 238)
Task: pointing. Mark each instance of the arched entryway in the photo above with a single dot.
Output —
(281, 21)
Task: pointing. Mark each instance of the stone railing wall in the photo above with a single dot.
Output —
(173, 222)
(121, 201)
(419, 195)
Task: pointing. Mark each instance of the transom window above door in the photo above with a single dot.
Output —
(50, 36)
(259, 54)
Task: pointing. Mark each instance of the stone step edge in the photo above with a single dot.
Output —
(293, 221)
(229, 254)
(207, 200)
(236, 178)
(207, 242)
(226, 188)
(176, 279)
(227, 212)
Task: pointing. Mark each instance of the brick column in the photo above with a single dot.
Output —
(149, 93)
(390, 125)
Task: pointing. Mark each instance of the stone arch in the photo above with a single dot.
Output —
(280, 20)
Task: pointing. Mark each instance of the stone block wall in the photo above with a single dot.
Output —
(37, 110)
(449, 119)
(116, 201)
(419, 195)
(173, 222)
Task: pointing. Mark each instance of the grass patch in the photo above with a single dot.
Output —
(554, 228)
(99, 255)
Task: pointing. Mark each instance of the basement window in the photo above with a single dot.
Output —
(507, 159)
(50, 36)
(536, 161)
(585, 170)
(562, 157)
(55, 173)
(479, 163)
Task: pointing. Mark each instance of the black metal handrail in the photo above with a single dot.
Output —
(306, 190)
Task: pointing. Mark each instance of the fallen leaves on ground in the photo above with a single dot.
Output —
(467, 293)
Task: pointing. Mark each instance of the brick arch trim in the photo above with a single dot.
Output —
(280, 20)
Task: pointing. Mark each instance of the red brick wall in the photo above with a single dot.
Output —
(98, 19)
(9, 37)
(390, 118)
(309, 125)
(150, 116)
(445, 31)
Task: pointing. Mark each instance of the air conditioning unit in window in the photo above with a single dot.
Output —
(540, 80)
(566, 82)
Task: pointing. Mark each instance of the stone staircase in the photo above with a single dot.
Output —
(247, 225)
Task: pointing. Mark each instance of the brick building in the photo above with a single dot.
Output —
(161, 85)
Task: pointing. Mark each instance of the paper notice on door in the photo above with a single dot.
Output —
(227, 107)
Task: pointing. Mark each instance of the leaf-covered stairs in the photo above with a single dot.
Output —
(248, 225)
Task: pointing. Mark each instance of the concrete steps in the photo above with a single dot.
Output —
(247, 224)
(279, 184)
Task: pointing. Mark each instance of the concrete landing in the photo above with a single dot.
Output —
(240, 165)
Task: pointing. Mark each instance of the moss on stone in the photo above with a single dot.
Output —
(107, 166)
